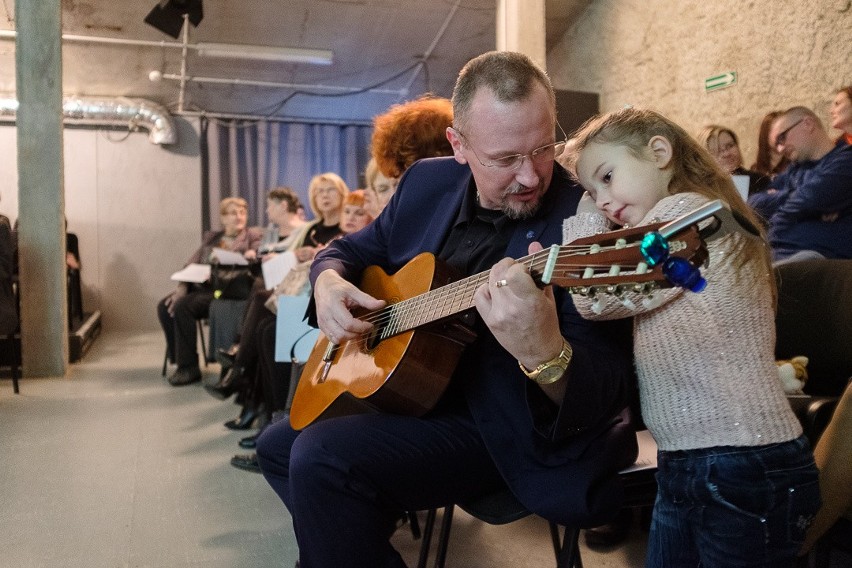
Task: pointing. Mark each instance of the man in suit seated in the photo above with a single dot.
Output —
(535, 402)
(809, 205)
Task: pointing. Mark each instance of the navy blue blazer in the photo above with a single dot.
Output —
(561, 463)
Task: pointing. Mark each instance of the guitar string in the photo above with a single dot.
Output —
(434, 299)
(407, 315)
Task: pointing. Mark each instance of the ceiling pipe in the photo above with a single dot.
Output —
(235, 50)
(104, 111)
(276, 85)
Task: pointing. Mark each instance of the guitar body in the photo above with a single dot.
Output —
(402, 374)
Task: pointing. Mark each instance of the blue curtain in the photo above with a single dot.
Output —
(248, 158)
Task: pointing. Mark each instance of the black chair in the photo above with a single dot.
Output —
(9, 321)
(640, 488)
(815, 319)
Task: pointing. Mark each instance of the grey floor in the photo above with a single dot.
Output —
(112, 467)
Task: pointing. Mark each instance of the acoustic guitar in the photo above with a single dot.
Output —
(404, 363)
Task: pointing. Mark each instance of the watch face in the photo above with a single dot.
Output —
(550, 374)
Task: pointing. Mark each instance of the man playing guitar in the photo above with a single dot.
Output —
(537, 395)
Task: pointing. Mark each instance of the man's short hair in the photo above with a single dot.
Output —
(797, 112)
(509, 75)
(284, 193)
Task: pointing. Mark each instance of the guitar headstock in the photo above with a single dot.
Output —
(613, 263)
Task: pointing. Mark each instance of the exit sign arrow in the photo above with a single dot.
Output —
(720, 81)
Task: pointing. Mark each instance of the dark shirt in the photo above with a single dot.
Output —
(321, 234)
(808, 191)
(478, 238)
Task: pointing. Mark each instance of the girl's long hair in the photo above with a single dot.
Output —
(693, 168)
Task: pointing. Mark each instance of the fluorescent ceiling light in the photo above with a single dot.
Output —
(266, 53)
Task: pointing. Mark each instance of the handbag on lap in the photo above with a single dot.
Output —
(231, 281)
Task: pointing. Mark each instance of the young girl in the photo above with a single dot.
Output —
(737, 484)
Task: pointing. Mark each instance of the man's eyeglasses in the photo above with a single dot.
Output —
(513, 162)
(782, 136)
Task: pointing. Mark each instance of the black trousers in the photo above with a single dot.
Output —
(181, 331)
(274, 377)
(347, 480)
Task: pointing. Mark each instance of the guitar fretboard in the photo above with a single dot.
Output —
(443, 302)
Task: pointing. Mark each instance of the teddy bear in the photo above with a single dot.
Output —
(793, 373)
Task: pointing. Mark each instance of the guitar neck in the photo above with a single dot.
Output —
(443, 302)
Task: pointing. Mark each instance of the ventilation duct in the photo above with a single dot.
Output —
(104, 111)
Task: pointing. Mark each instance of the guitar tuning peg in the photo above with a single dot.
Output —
(652, 302)
(628, 303)
(598, 305)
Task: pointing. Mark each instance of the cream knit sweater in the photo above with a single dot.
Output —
(705, 361)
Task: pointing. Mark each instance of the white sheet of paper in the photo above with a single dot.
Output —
(225, 256)
(742, 185)
(276, 268)
(195, 273)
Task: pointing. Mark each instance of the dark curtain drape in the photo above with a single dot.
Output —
(248, 158)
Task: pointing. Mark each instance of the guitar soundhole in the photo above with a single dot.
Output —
(373, 338)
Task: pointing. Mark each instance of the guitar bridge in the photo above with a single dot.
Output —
(327, 358)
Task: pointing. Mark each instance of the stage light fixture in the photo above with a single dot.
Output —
(167, 15)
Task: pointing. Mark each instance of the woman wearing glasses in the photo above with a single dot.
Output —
(723, 145)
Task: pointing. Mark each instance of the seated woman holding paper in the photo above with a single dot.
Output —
(190, 301)
(723, 145)
(326, 193)
(269, 382)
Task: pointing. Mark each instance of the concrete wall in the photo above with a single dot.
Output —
(658, 54)
(135, 207)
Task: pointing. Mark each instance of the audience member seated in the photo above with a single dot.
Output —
(723, 145)
(271, 380)
(226, 316)
(406, 133)
(179, 310)
(282, 205)
(769, 162)
(326, 194)
(841, 114)
(73, 265)
(809, 206)
(379, 189)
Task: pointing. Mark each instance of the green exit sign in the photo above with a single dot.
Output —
(720, 81)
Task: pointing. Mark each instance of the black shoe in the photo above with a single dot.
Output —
(244, 420)
(612, 533)
(247, 462)
(226, 357)
(185, 376)
(250, 442)
(228, 384)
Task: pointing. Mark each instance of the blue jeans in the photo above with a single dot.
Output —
(733, 506)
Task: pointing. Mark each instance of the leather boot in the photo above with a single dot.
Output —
(229, 383)
(244, 420)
